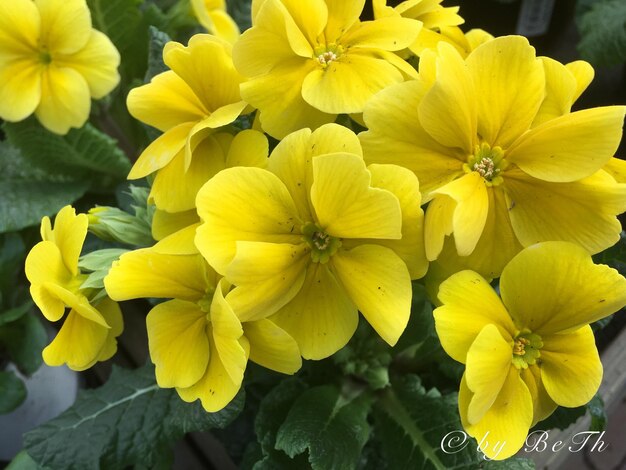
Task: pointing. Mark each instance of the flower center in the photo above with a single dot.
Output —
(205, 302)
(526, 349)
(45, 57)
(488, 162)
(322, 245)
(327, 54)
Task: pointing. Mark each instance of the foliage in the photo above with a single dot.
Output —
(602, 26)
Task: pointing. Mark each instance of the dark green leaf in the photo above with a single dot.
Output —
(562, 418)
(240, 12)
(598, 414)
(9, 316)
(603, 33)
(332, 428)
(411, 423)
(512, 463)
(12, 391)
(84, 153)
(129, 420)
(158, 39)
(118, 19)
(24, 339)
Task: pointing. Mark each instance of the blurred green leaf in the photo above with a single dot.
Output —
(602, 27)
(23, 461)
(598, 414)
(24, 340)
(12, 391)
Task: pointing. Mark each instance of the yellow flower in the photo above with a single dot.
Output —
(213, 16)
(531, 350)
(52, 62)
(88, 333)
(188, 103)
(316, 237)
(309, 61)
(498, 171)
(196, 341)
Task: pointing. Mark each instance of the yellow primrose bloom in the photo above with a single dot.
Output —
(532, 349)
(188, 103)
(52, 62)
(316, 237)
(213, 16)
(89, 331)
(309, 61)
(496, 175)
(196, 341)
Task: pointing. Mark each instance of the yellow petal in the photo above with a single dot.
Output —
(268, 276)
(215, 389)
(175, 188)
(44, 263)
(341, 16)
(77, 302)
(77, 344)
(292, 157)
(19, 29)
(356, 210)
(346, 84)
(396, 137)
(583, 73)
(503, 429)
(404, 185)
(543, 405)
(571, 369)
(219, 117)
(248, 148)
(145, 273)
(448, 110)
(570, 147)
(470, 213)
(509, 96)
(97, 62)
(468, 304)
(282, 109)
(272, 347)
(20, 89)
(179, 243)
(65, 99)
(206, 66)
(321, 318)
(438, 225)
(227, 331)
(388, 33)
(488, 362)
(69, 235)
(178, 342)
(553, 287)
(65, 26)
(560, 89)
(617, 169)
(112, 313)
(583, 212)
(378, 282)
(161, 152)
(164, 223)
(50, 305)
(309, 17)
(224, 206)
(165, 102)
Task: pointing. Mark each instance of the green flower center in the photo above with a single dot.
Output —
(205, 302)
(488, 162)
(526, 349)
(322, 245)
(325, 54)
(45, 57)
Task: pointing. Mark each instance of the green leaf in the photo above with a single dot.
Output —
(603, 33)
(598, 414)
(24, 340)
(411, 423)
(9, 316)
(332, 428)
(118, 19)
(23, 461)
(513, 463)
(12, 392)
(101, 259)
(240, 12)
(158, 39)
(84, 153)
(30, 192)
(129, 420)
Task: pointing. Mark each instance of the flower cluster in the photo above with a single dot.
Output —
(471, 167)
